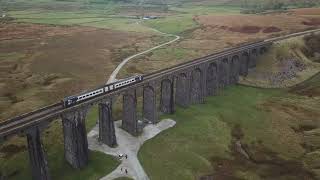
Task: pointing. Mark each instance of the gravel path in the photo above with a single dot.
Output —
(116, 71)
(129, 145)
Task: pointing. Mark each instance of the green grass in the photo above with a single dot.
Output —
(98, 15)
(92, 18)
(99, 166)
(203, 10)
(123, 178)
(173, 24)
(121, 24)
(204, 131)
(92, 118)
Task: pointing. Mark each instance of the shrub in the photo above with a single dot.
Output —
(312, 43)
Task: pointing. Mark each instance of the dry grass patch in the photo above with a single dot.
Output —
(51, 62)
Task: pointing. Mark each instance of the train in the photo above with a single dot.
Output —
(73, 100)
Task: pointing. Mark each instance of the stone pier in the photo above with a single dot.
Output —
(166, 100)
(244, 64)
(223, 73)
(226, 64)
(106, 125)
(129, 112)
(149, 104)
(196, 91)
(221, 76)
(235, 69)
(75, 138)
(253, 58)
(37, 156)
(183, 90)
(212, 80)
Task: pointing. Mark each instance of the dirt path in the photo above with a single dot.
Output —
(116, 71)
(129, 145)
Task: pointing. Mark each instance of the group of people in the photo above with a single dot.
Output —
(125, 170)
(120, 158)
(122, 155)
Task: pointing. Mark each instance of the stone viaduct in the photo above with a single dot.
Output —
(183, 85)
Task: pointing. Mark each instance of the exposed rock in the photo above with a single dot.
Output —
(239, 149)
(288, 70)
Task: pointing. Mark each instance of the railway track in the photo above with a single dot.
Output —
(16, 123)
(20, 123)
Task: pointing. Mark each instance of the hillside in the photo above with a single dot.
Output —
(286, 63)
(243, 133)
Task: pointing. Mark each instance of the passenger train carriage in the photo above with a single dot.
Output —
(72, 100)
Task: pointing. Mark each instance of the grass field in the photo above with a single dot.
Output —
(93, 18)
(66, 48)
(123, 178)
(202, 10)
(110, 16)
(204, 136)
